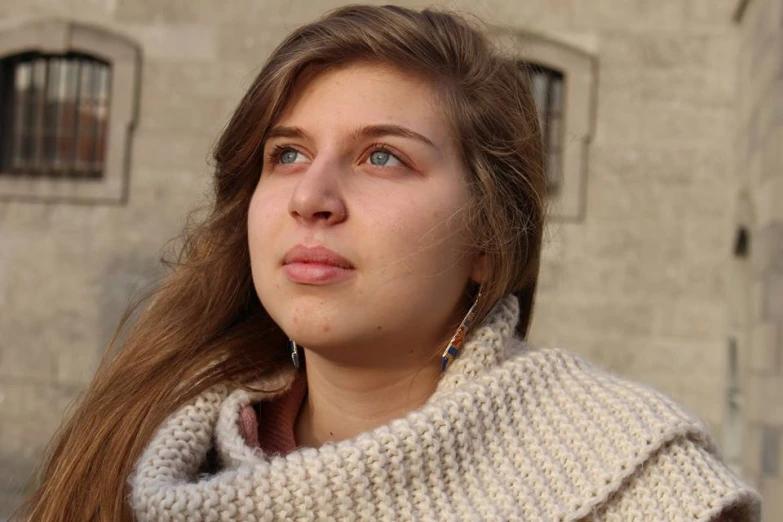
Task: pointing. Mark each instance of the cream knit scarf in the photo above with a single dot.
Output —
(512, 433)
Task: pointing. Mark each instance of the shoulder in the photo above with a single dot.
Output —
(637, 450)
(588, 395)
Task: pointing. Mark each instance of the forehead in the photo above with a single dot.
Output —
(360, 94)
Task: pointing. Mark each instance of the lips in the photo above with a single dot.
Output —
(316, 255)
(315, 265)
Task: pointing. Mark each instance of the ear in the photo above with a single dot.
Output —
(480, 268)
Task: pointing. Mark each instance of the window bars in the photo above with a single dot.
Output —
(549, 91)
(55, 111)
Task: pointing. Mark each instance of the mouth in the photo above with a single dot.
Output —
(315, 265)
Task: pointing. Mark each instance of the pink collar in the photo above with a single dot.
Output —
(269, 425)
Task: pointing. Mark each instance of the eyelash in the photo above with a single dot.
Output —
(274, 155)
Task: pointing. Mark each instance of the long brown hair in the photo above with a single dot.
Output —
(204, 323)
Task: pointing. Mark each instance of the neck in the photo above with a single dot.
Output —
(344, 401)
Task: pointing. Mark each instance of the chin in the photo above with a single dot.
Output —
(332, 340)
(307, 319)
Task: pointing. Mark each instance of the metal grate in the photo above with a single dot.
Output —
(55, 115)
(548, 86)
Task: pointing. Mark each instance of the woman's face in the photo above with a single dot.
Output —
(356, 228)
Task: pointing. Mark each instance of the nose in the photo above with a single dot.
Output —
(317, 197)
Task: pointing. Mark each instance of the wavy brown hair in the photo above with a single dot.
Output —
(204, 323)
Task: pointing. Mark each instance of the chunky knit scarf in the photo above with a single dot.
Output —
(512, 433)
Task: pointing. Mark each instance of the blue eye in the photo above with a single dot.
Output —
(384, 158)
(289, 156)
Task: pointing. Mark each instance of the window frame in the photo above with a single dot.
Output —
(62, 37)
(579, 68)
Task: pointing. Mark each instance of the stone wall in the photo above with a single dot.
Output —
(760, 181)
(638, 284)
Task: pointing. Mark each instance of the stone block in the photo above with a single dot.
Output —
(773, 297)
(765, 400)
(620, 82)
(669, 163)
(621, 15)
(770, 115)
(753, 169)
(244, 43)
(691, 319)
(697, 87)
(89, 9)
(173, 111)
(535, 14)
(608, 318)
(769, 192)
(772, 151)
(170, 11)
(586, 278)
(674, 50)
(771, 451)
(767, 249)
(666, 200)
(702, 378)
(612, 240)
(765, 349)
(223, 78)
(678, 123)
(28, 356)
(751, 451)
(264, 15)
(723, 51)
(710, 13)
(771, 489)
(9, 502)
(697, 279)
(617, 125)
(175, 42)
(757, 301)
(647, 52)
(763, 17)
(620, 51)
(30, 413)
(707, 238)
(765, 66)
(592, 345)
(173, 150)
(47, 321)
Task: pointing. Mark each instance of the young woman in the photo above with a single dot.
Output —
(343, 337)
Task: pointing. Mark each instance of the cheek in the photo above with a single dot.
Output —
(264, 211)
(425, 238)
(263, 226)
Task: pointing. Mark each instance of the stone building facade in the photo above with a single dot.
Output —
(758, 305)
(664, 260)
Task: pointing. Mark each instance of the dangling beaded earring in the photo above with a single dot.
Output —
(294, 349)
(455, 345)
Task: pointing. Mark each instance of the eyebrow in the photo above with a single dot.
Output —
(369, 131)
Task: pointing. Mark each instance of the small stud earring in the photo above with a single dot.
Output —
(455, 345)
(294, 349)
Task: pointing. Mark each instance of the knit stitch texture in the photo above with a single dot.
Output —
(513, 432)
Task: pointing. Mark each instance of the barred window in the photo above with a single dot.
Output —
(548, 90)
(55, 115)
(562, 77)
